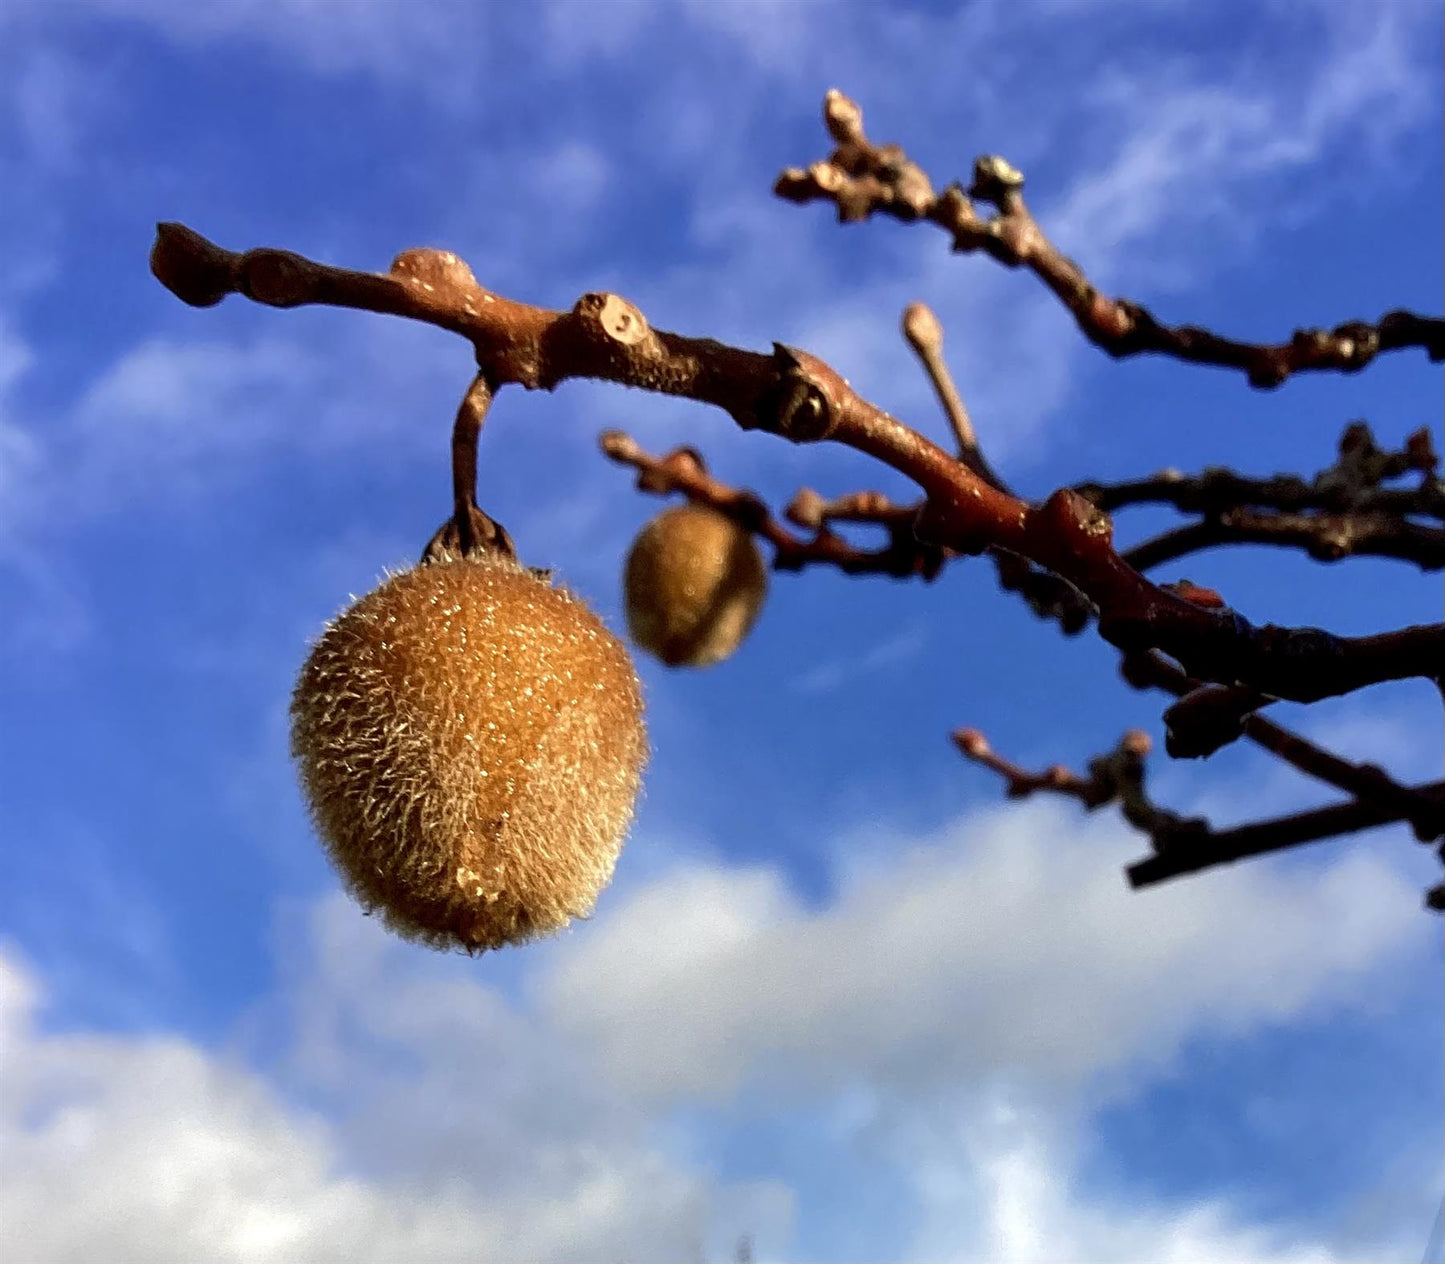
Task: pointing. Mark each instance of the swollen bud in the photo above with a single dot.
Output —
(470, 741)
(694, 584)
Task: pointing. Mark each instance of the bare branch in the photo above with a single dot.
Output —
(861, 179)
(1223, 847)
(1182, 844)
(1366, 782)
(799, 397)
(682, 470)
(1058, 553)
(1353, 484)
(1117, 776)
(1324, 537)
(924, 333)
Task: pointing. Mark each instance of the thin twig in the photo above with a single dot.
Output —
(924, 334)
(1323, 537)
(469, 530)
(1117, 776)
(682, 470)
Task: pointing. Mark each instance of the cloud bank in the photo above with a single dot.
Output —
(990, 984)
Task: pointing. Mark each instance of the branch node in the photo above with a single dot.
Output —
(197, 272)
(802, 405)
(1082, 527)
(843, 118)
(807, 509)
(998, 181)
(614, 316)
(277, 278)
(434, 269)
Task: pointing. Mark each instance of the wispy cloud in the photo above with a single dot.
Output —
(171, 419)
(20, 449)
(388, 38)
(996, 1182)
(1204, 148)
(833, 673)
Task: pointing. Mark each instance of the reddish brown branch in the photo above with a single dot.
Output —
(1344, 511)
(1047, 594)
(861, 179)
(798, 397)
(683, 470)
(469, 530)
(1115, 777)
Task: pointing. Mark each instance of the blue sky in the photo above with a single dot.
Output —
(839, 996)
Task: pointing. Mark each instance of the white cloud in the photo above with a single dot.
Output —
(773, 33)
(150, 1148)
(1008, 944)
(997, 1186)
(572, 176)
(980, 990)
(172, 418)
(184, 410)
(575, 29)
(1405, 738)
(46, 612)
(450, 48)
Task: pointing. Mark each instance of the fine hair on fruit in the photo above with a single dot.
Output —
(470, 741)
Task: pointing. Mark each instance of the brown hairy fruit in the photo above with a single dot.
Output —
(470, 740)
(694, 584)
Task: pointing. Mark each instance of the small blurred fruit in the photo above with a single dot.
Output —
(694, 584)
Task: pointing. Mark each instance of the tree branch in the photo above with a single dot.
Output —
(1352, 484)
(924, 334)
(1223, 847)
(799, 397)
(861, 179)
(1200, 726)
(1324, 537)
(1118, 775)
(1182, 844)
(683, 470)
